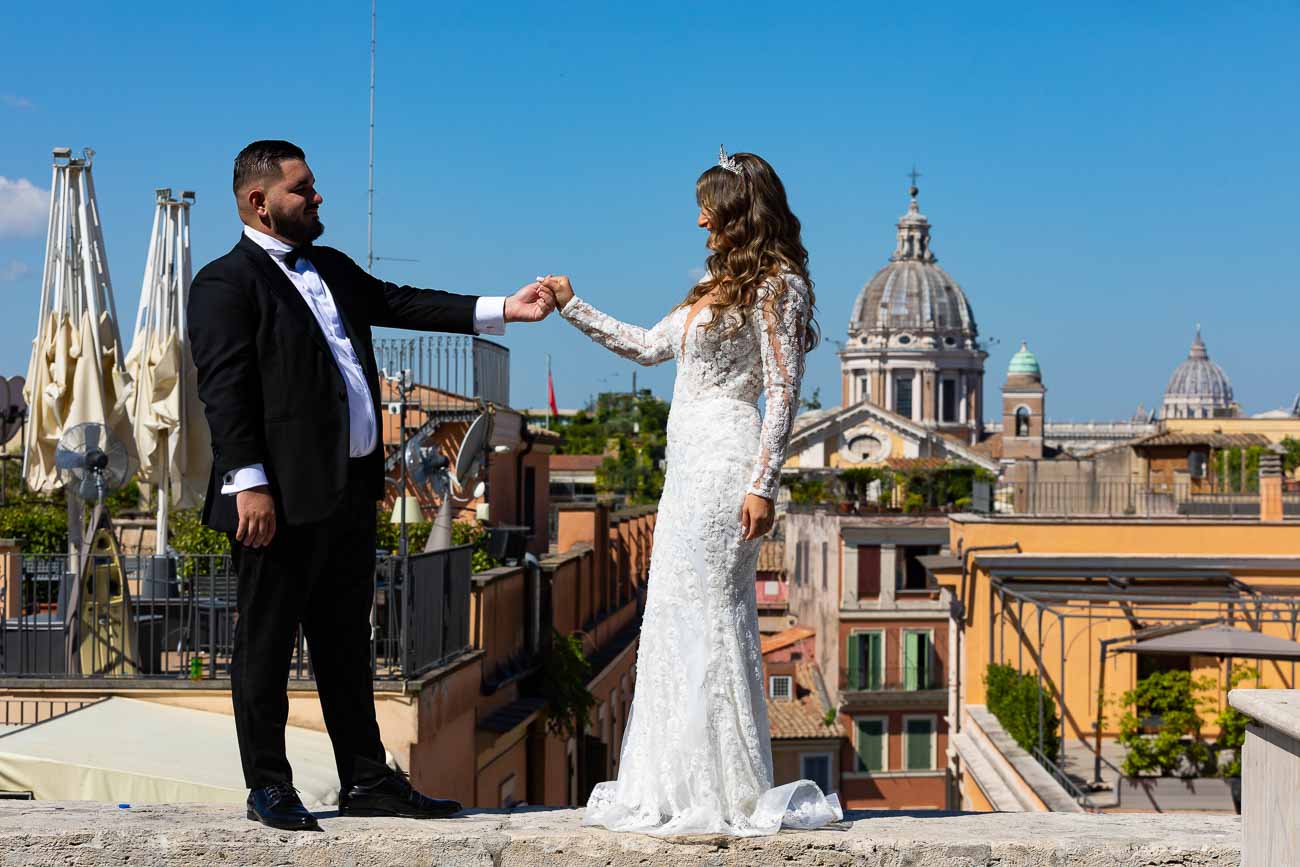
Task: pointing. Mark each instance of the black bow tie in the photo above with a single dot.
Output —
(302, 251)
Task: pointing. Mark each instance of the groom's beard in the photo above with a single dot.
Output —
(298, 228)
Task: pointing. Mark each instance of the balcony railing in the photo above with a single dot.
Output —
(906, 678)
(449, 366)
(178, 619)
(1131, 499)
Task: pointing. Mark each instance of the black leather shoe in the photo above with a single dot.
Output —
(393, 796)
(279, 806)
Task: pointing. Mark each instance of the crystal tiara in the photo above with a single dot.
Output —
(728, 163)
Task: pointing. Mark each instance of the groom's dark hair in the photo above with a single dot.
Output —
(261, 160)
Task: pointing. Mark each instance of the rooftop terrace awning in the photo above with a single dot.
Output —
(1220, 641)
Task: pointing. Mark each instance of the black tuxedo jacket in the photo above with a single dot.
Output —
(271, 390)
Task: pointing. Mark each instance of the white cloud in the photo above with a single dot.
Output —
(12, 270)
(13, 101)
(24, 208)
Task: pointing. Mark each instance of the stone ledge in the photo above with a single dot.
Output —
(79, 833)
(1278, 708)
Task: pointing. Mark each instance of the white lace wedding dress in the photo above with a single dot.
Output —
(697, 754)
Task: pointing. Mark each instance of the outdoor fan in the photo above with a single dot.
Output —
(426, 464)
(92, 461)
(98, 626)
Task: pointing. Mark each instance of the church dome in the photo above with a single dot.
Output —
(1024, 363)
(912, 293)
(1199, 388)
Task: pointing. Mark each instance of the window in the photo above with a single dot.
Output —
(948, 400)
(780, 687)
(825, 565)
(916, 660)
(817, 767)
(872, 739)
(918, 743)
(868, 571)
(911, 574)
(798, 563)
(771, 588)
(903, 396)
(866, 660)
(1022, 421)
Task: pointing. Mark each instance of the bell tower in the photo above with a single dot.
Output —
(1023, 400)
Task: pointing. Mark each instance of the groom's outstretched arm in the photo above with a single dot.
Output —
(395, 306)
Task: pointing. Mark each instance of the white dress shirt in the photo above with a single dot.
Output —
(363, 430)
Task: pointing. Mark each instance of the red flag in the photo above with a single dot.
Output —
(550, 390)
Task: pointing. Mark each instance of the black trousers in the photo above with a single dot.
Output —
(318, 576)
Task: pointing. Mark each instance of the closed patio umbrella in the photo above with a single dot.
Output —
(76, 371)
(166, 416)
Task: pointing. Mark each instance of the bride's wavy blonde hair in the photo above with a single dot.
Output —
(755, 236)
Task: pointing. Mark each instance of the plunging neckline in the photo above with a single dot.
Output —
(692, 313)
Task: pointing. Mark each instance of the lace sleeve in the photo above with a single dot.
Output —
(779, 323)
(642, 345)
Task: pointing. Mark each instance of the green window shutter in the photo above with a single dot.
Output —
(855, 661)
(875, 659)
(871, 745)
(917, 732)
(911, 648)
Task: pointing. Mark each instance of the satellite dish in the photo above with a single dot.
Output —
(13, 407)
(92, 461)
(453, 484)
(425, 464)
(469, 460)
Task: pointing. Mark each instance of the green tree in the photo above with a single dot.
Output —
(1232, 725)
(1175, 699)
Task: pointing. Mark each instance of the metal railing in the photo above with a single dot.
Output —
(1130, 499)
(177, 619)
(450, 365)
(905, 678)
(1078, 794)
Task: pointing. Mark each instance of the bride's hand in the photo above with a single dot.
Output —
(756, 517)
(560, 288)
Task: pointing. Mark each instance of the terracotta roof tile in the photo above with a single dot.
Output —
(786, 638)
(576, 462)
(805, 715)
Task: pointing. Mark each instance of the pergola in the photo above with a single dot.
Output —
(1167, 600)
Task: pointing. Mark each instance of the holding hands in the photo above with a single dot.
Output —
(532, 303)
(559, 288)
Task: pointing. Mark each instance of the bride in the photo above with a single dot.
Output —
(697, 756)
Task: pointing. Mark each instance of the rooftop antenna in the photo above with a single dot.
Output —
(371, 258)
(370, 193)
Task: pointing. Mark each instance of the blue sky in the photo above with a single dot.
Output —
(1100, 178)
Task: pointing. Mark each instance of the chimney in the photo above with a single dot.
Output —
(1270, 486)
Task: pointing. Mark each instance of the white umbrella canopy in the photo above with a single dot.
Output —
(166, 415)
(76, 372)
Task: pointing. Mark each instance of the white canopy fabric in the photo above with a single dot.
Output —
(76, 371)
(123, 750)
(166, 415)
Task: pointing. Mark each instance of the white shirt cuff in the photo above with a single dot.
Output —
(490, 315)
(242, 479)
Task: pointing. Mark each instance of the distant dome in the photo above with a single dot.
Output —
(1024, 363)
(912, 293)
(1199, 388)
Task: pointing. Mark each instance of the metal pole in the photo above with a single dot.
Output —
(1040, 679)
(1060, 686)
(370, 193)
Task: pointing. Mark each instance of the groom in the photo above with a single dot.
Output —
(280, 334)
